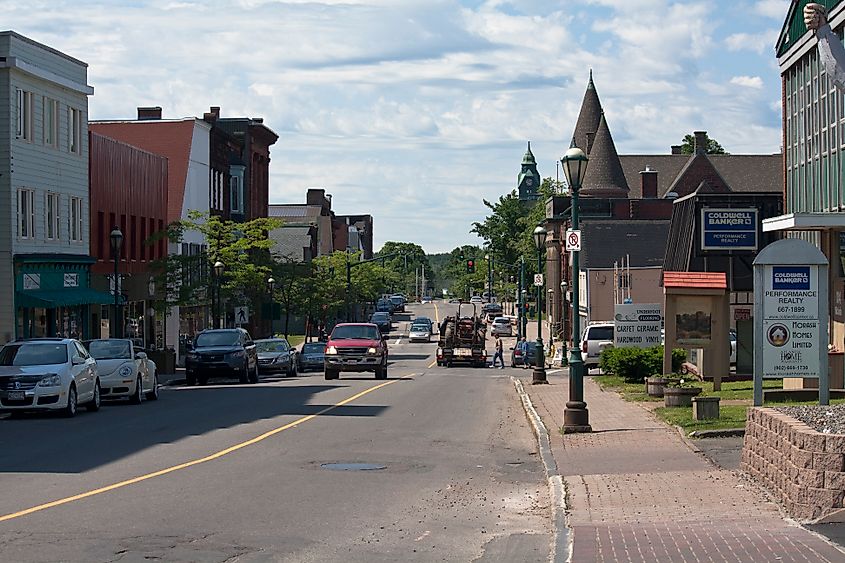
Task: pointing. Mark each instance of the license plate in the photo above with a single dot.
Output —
(463, 352)
(16, 395)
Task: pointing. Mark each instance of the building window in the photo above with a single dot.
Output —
(74, 128)
(26, 213)
(235, 193)
(25, 115)
(51, 122)
(75, 222)
(51, 219)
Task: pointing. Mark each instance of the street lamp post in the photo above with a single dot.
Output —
(550, 316)
(539, 375)
(576, 417)
(489, 259)
(563, 286)
(116, 242)
(271, 285)
(218, 277)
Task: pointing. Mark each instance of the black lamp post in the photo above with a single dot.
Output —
(116, 242)
(539, 376)
(576, 417)
(218, 277)
(271, 285)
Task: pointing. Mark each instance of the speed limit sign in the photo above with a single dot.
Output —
(573, 241)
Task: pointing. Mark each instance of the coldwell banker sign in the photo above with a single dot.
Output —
(790, 315)
(728, 229)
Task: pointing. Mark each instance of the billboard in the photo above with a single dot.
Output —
(729, 229)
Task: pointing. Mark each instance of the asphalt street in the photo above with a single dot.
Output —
(273, 472)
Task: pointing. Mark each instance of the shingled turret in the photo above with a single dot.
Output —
(605, 177)
(588, 118)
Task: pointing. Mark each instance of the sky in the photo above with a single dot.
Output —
(415, 111)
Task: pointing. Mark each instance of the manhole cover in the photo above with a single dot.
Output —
(353, 466)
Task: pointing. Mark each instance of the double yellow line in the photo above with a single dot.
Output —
(194, 462)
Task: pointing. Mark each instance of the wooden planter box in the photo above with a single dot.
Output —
(679, 396)
(655, 384)
(705, 408)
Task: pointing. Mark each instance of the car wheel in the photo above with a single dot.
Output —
(332, 374)
(94, 405)
(153, 395)
(244, 375)
(70, 410)
(190, 379)
(136, 397)
(253, 375)
(202, 380)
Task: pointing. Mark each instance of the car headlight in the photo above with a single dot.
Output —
(331, 350)
(280, 358)
(372, 351)
(125, 370)
(238, 354)
(50, 380)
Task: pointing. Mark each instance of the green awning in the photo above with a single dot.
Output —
(49, 298)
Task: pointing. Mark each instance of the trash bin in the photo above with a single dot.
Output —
(165, 360)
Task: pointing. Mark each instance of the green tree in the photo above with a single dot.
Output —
(502, 229)
(244, 249)
(409, 257)
(713, 146)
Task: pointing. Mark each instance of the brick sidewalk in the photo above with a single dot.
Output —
(636, 492)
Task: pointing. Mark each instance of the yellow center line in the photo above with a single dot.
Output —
(191, 463)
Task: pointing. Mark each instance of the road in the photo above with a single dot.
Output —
(233, 472)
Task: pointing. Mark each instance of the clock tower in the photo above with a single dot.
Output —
(528, 182)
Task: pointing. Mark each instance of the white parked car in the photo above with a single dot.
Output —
(476, 299)
(596, 338)
(501, 327)
(125, 370)
(48, 374)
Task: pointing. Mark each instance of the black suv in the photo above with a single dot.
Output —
(222, 352)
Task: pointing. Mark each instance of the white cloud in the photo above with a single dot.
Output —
(748, 81)
(776, 9)
(757, 42)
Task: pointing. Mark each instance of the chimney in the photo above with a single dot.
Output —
(677, 149)
(700, 142)
(648, 181)
(149, 113)
(212, 115)
(315, 196)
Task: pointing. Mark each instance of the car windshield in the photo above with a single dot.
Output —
(219, 338)
(316, 348)
(33, 354)
(109, 349)
(271, 346)
(396, 299)
(349, 332)
(380, 316)
(419, 326)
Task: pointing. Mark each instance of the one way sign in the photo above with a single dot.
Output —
(241, 315)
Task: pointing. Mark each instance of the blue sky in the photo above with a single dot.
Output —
(416, 110)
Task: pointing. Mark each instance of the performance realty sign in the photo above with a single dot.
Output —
(637, 325)
(729, 229)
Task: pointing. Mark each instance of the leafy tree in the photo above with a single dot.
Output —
(242, 247)
(713, 146)
(502, 229)
(409, 258)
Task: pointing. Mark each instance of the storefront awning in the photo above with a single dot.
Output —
(69, 296)
(804, 222)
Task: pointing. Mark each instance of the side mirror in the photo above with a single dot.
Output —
(141, 356)
(78, 360)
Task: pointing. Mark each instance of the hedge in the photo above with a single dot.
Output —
(634, 365)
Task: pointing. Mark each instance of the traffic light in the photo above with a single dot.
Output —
(470, 266)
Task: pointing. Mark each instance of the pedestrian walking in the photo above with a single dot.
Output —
(523, 348)
(499, 353)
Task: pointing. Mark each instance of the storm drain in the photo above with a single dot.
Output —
(352, 466)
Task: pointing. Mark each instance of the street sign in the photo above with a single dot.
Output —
(573, 241)
(241, 315)
(538, 280)
(637, 325)
(729, 229)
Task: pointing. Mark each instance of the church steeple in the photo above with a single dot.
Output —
(588, 118)
(604, 177)
(528, 181)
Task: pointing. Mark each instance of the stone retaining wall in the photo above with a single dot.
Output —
(802, 468)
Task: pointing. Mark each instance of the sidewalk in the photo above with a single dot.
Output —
(637, 492)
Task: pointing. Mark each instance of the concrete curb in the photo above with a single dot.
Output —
(561, 549)
(724, 433)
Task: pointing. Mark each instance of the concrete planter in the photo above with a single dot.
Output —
(705, 408)
(679, 396)
(655, 384)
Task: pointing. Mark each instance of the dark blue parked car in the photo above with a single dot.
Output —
(382, 320)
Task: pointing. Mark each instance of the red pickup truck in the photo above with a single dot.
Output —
(356, 347)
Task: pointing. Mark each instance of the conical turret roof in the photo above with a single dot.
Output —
(588, 118)
(529, 156)
(604, 177)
